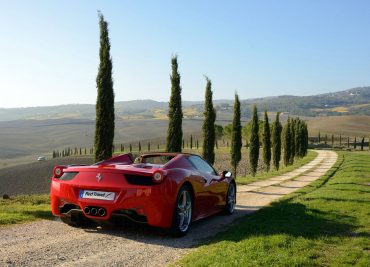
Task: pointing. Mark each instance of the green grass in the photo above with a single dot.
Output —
(24, 208)
(311, 155)
(324, 224)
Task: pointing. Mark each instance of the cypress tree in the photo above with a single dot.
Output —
(139, 146)
(340, 140)
(209, 125)
(326, 139)
(266, 143)
(104, 128)
(276, 142)
(362, 143)
(197, 144)
(130, 148)
(191, 141)
(236, 136)
(348, 142)
(355, 144)
(292, 141)
(319, 137)
(254, 143)
(148, 146)
(287, 143)
(174, 131)
(298, 135)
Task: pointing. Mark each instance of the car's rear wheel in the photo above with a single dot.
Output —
(183, 212)
(230, 199)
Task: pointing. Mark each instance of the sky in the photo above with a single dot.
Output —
(49, 49)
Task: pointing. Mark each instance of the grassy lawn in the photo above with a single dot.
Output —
(265, 175)
(324, 224)
(24, 208)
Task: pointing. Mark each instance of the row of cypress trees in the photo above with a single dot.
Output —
(294, 134)
(294, 130)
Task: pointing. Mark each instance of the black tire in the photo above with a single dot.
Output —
(182, 212)
(230, 199)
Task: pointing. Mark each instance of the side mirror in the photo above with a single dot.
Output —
(226, 174)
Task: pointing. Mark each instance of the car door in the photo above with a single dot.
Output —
(211, 195)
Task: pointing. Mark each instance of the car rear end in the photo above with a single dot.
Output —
(103, 192)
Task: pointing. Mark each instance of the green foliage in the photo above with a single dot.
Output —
(266, 143)
(209, 125)
(228, 129)
(219, 131)
(254, 143)
(191, 141)
(292, 141)
(236, 136)
(276, 142)
(174, 131)
(104, 127)
(287, 143)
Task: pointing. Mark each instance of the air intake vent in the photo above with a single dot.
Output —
(139, 179)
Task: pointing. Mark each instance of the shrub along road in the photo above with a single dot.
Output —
(53, 243)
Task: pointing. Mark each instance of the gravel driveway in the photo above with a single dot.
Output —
(47, 243)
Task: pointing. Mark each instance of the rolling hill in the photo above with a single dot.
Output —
(354, 101)
(28, 132)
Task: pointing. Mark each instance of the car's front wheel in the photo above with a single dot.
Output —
(183, 212)
(230, 199)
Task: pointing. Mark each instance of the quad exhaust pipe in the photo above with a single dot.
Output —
(95, 211)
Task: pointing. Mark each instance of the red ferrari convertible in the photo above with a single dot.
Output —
(168, 190)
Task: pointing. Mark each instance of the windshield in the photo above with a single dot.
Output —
(156, 159)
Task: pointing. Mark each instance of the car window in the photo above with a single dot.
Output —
(201, 165)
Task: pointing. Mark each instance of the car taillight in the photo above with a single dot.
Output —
(158, 176)
(58, 171)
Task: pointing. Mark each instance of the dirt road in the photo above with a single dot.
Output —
(46, 243)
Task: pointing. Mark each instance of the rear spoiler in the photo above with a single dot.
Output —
(123, 159)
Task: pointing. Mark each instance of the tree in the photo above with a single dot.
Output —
(266, 142)
(319, 137)
(174, 131)
(191, 141)
(355, 144)
(287, 143)
(254, 142)
(148, 146)
(340, 140)
(104, 124)
(139, 146)
(197, 144)
(219, 131)
(292, 141)
(276, 142)
(130, 148)
(362, 143)
(209, 125)
(236, 136)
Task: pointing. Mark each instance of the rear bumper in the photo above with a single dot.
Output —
(153, 205)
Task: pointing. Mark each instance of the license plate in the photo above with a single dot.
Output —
(97, 195)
